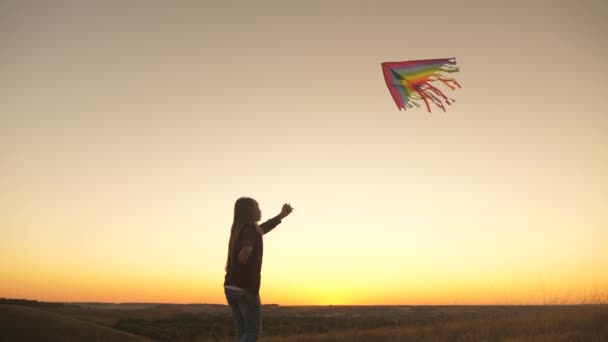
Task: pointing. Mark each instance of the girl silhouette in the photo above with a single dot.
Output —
(244, 265)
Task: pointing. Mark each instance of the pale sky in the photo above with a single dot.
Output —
(129, 128)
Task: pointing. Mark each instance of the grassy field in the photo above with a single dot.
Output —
(39, 321)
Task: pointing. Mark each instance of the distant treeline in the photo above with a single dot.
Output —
(28, 302)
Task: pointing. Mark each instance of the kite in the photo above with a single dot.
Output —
(410, 81)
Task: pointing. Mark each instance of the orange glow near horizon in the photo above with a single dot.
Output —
(128, 130)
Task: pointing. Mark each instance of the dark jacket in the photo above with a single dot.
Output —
(248, 275)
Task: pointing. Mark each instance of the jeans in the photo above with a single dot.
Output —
(247, 313)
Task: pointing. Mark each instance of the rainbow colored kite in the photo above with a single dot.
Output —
(410, 81)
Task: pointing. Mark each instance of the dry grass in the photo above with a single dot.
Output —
(174, 322)
(567, 323)
(20, 323)
(580, 323)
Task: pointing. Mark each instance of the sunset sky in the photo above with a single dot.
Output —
(129, 128)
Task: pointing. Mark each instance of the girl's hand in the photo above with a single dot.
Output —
(286, 210)
(244, 254)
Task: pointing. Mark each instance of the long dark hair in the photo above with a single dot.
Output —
(244, 213)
